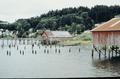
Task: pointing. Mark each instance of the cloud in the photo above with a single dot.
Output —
(11, 10)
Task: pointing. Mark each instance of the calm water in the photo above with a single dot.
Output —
(68, 62)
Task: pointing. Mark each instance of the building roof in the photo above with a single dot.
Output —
(58, 34)
(111, 25)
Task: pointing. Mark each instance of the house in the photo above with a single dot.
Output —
(107, 33)
(55, 36)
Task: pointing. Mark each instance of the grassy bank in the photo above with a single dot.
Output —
(84, 38)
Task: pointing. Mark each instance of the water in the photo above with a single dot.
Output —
(68, 62)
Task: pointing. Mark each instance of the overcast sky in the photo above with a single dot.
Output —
(11, 10)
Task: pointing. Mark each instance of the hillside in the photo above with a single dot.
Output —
(75, 20)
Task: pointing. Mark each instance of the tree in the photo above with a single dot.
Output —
(79, 28)
(22, 26)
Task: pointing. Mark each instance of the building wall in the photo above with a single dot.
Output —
(106, 38)
(44, 36)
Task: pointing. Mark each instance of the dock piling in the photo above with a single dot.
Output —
(92, 53)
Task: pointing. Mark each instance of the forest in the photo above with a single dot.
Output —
(73, 19)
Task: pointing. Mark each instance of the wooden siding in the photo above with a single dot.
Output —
(106, 38)
(44, 36)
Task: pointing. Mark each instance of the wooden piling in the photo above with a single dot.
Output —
(55, 50)
(79, 49)
(32, 51)
(69, 50)
(59, 50)
(20, 51)
(47, 51)
(44, 50)
(32, 46)
(92, 53)
(99, 54)
(17, 47)
(112, 53)
(9, 53)
(109, 54)
(105, 50)
(23, 52)
(116, 50)
(35, 52)
(119, 52)
(9, 46)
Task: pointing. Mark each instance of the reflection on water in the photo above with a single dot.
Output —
(109, 65)
(28, 58)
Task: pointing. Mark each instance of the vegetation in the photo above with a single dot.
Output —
(84, 38)
(75, 20)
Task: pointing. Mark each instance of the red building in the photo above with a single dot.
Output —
(55, 36)
(107, 33)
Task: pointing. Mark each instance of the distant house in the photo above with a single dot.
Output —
(55, 36)
(107, 33)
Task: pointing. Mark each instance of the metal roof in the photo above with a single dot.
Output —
(111, 25)
(58, 34)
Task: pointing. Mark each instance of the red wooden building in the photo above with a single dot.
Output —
(55, 36)
(107, 33)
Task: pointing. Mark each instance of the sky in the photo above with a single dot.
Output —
(11, 10)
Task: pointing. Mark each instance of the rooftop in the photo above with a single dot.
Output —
(111, 25)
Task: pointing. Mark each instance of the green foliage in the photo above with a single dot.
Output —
(101, 13)
(74, 20)
(85, 36)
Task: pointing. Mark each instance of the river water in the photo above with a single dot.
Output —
(53, 61)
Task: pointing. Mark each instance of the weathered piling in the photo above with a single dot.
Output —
(119, 52)
(17, 47)
(23, 52)
(59, 51)
(112, 53)
(44, 50)
(99, 54)
(35, 52)
(69, 50)
(9, 46)
(9, 53)
(109, 54)
(116, 50)
(105, 51)
(47, 51)
(55, 50)
(32, 46)
(79, 49)
(92, 53)
(20, 52)
(32, 51)
(14, 45)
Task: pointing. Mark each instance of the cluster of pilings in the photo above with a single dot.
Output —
(33, 44)
(106, 51)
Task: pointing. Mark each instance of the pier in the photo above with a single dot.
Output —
(106, 39)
